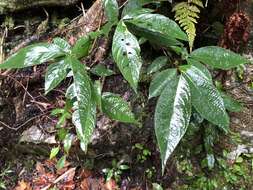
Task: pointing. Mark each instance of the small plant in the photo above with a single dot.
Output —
(181, 86)
(187, 13)
(150, 172)
(115, 171)
(83, 94)
(6, 171)
(143, 154)
(186, 84)
(157, 186)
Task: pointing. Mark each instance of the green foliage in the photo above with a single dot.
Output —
(126, 53)
(157, 28)
(83, 95)
(111, 10)
(231, 104)
(116, 108)
(186, 84)
(101, 70)
(187, 13)
(205, 97)
(143, 154)
(5, 171)
(218, 57)
(157, 64)
(160, 81)
(115, 171)
(172, 116)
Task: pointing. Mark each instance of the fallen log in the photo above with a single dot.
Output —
(17, 5)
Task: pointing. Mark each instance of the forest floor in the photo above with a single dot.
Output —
(23, 106)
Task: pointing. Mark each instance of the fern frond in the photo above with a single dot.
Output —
(186, 14)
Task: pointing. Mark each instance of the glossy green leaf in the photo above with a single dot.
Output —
(67, 142)
(126, 53)
(123, 167)
(82, 47)
(85, 108)
(111, 10)
(133, 5)
(160, 81)
(70, 94)
(97, 92)
(101, 71)
(172, 116)
(230, 103)
(157, 186)
(32, 55)
(201, 67)
(116, 108)
(56, 73)
(218, 57)
(60, 164)
(205, 97)
(136, 13)
(54, 152)
(157, 64)
(157, 28)
(63, 44)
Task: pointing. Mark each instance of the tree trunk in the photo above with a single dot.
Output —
(16, 5)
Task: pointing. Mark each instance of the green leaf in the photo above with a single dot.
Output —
(126, 53)
(60, 164)
(157, 186)
(56, 73)
(97, 91)
(109, 174)
(123, 167)
(160, 81)
(67, 142)
(70, 93)
(82, 47)
(85, 108)
(157, 28)
(218, 57)
(32, 55)
(54, 152)
(231, 104)
(172, 116)
(200, 67)
(111, 10)
(205, 97)
(157, 64)
(137, 12)
(133, 5)
(102, 71)
(63, 44)
(116, 108)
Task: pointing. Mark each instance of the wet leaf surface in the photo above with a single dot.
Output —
(126, 53)
(218, 57)
(172, 116)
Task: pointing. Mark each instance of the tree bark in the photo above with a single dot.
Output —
(16, 5)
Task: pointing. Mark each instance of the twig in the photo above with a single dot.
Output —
(29, 121)
(8, 126)
(1, 46)
(19, 84)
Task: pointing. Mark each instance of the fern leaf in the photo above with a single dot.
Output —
(186, 14)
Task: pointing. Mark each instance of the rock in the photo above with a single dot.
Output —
(36, 135)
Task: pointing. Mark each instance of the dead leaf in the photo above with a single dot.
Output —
(111, 185)
(40, 168)
(22, 185)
